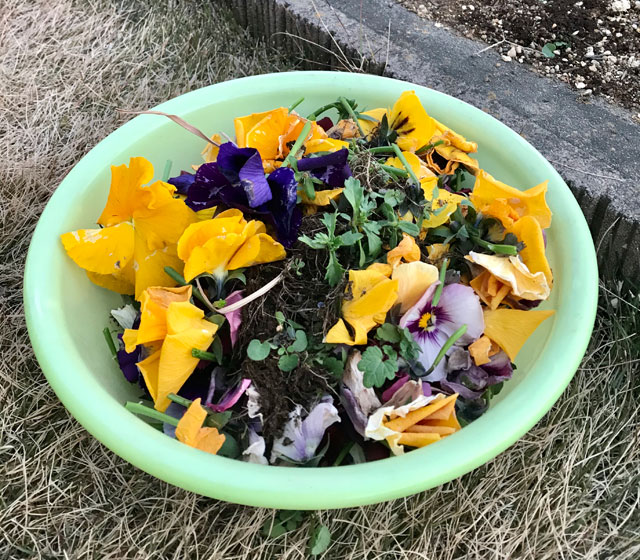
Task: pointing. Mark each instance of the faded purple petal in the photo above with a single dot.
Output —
(254, 453)
(426, 389)
(399, 382)
(332, 169)
(499, 368)
(208, 188)
(234, 318)
(231, 397)
(461, 305)
(305, 435)
(353, 410)
(450, 387)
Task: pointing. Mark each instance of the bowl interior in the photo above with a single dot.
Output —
(66, 312)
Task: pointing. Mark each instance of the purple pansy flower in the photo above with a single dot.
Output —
(470, 380)
(431, 326)
(304, 436)
(332, 169)
(128, 361)
(237, 180)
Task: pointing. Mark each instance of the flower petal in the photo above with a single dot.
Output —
(124, 195)
(414, 279)
(406, 250)
(258, 249)
(460, 305)
(324, 145)
(510, 328)
(527, 229)
(265, 135)
(149, 267)
(191, 432)
(412, 123)
(103, 251)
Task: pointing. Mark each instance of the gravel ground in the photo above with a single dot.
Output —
(594, 45)
(569, 489)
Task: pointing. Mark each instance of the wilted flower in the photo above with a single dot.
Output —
(191, 432)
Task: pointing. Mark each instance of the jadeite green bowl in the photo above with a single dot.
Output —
(66, 313)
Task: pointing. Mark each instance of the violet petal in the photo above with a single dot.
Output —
(332, 169)
(182, 182)
(399, 382)
(128, 362)
(234, 318)
(231, 397)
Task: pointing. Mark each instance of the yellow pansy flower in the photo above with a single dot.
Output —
(191, 432)
(141, 223)
(371, 294)
(170, 328)
(224, 243)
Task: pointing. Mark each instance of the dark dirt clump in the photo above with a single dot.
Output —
(598, 41)
(304, 297)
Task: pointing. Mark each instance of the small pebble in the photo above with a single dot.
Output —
(512, 52)
(580, 85)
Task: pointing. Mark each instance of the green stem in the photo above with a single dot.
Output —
(438, 293)
(107, 336)
(447, 345)
(180, 400)
(177, 277)
(382, 150)
(352, 114)
(294, 149)
(500, 249)
(428, 147)
(295, 104)
(314, 115)
(394, 170)
(167, 170)
(458, 182)
(202, 355)
(343, 453)
(405, 163)
(138, 408)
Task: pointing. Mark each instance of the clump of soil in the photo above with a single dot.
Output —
(601, 54)
(302, 296)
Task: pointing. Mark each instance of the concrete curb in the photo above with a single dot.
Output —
(594, 146)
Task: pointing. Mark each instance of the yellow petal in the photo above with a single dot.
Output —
(265, 135)
(416, 164)
(437, 251)
(210, 152)
(258, 249)
(197, 234)
(339, 334)
(191, 432)
(382, 268)
(455, 155)
(292, 131)
(443, 206)
(324, 145)
(122, 281)
(417, 439)
(103, 251)
(401, 424)
(490, 290)
(213, 257)
(407, 250)
(244, 124)
(186, 330)
(512, 271)
(322, 198)
(124, 195)
(480, 349)
(413, 280)
(164, 218)
(369, 126)
(149, 267)
(510, 328)
(412, 123)
(154, 302)
(524, 203)
(149, 369)
(528, 230)
(453, 138)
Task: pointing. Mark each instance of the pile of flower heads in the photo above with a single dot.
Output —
(320, 291)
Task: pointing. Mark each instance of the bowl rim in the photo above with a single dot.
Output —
(313, 488)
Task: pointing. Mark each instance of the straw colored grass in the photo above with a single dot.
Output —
(569, 489)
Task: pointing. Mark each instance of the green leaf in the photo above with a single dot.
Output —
(258, 351)
(409, 227)
(315, 243)
(218, 419)
(329, 220)
(280, 317)
(333, 365)
(349, 238)
(288, 362)
(309, 188)
(335, 271)
(300, 344)
(216, 347)
(389, 333)
(353, 192)
(376, 370)
(548, 49)
(236, 275)
(320, 540)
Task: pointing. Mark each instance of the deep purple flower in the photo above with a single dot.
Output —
(431, 326)
(183, 182)
(237, 180)
(128, 360)
(332, 169)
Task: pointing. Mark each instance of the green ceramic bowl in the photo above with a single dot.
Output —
(66, 313)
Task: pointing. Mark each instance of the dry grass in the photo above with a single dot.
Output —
(569, 489)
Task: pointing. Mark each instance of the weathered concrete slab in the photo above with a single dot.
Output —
(595, 146)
